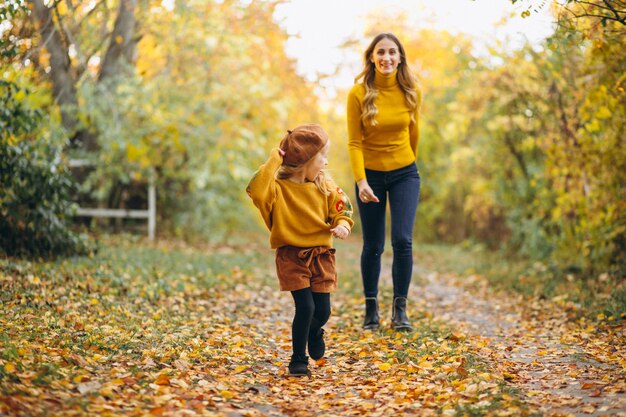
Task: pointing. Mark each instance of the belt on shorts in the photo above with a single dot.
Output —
(310, 254)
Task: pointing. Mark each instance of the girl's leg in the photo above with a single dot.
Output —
(404, 194)
(373, 225)
(321, 313)
(305, 308)
(317, 347)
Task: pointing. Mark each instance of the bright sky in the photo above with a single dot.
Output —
(318, 27)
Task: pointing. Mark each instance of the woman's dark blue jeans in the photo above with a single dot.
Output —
(401, 187)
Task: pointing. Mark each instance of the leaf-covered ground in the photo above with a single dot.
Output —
(170, 330)
(565, 363)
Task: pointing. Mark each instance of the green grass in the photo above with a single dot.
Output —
(126, 264)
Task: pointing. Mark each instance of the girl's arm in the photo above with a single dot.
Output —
(340, 213)
(262, 186)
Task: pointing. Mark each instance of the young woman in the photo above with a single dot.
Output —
(383, 134)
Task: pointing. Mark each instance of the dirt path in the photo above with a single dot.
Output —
(558, 370)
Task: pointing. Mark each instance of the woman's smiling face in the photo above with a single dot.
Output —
(386, 56)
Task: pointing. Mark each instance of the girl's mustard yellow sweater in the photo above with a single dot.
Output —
(297, 214)
(392, 143)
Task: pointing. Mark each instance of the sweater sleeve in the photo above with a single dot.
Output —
(262, 186)
(414, 128)
(355, 134)
(340, 208)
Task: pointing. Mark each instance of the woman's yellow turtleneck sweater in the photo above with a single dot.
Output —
(392, 143)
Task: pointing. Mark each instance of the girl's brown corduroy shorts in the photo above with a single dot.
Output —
(299, 268)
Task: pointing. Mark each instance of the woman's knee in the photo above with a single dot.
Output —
(402, 244)
(373, 250)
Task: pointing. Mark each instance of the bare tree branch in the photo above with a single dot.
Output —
(94, 51)
(78, 24)
(613, 10)
(591, 10)
(65, 35)
(616, 12)
(599, 6)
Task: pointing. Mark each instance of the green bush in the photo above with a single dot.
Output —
(35, 205)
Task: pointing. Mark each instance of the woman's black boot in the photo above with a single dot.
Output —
(399, 320)
(372, 319)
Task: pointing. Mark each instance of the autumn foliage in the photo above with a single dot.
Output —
(522, 147)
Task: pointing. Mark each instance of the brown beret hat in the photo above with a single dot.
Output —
(303, 143)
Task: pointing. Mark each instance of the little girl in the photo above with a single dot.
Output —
(303, 208)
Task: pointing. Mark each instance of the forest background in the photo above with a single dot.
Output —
(522, 150)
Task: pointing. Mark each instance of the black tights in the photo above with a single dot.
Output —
(312, 312)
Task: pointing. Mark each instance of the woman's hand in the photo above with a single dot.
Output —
(366, 195)
(340, 231)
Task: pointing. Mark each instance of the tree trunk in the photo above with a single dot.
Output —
(63, 82)
(123, 42)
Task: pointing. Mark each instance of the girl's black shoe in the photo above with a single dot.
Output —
(317, 347)
(299, 365)
(372, 320)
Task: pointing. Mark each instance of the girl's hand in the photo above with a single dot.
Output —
(366, 195)
(281, 152)
(340, 231)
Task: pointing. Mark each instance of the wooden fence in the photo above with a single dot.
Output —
(149, 214)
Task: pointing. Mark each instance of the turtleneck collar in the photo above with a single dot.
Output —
(385, 81)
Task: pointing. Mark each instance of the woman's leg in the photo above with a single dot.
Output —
(305, 309)
(373, 226)
(404, 191)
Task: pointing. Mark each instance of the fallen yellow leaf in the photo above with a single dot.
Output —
(384, 366)
(226, 394)
(79, 378)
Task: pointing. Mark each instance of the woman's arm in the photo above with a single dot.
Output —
(355, 134)
(414, 127)
(354, 110)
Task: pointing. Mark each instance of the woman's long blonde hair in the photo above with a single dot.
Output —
(321, 181)
(407, 81)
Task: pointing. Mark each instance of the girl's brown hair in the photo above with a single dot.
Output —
(321, 181)
(407, 81)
